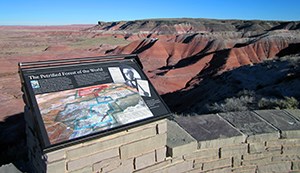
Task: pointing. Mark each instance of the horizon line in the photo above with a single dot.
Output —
(167, 18)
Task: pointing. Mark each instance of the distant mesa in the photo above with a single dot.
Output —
(191, 25)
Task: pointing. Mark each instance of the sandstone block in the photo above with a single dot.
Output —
(107, 164)
(288, 142)
(145, 126)
(126, 166)
(291, 134)
(217, 164)
(181, 150)
(154, 167)
(110, 143)
(244, 169)
(56, 155)
(143, 146)
(178, 167)
(259, 155)
(294, 171)
(274, 149)
(221, 142)
(220, 170)
(282, 158)
(257, 147)
(291, 150)
(275, 167)
(162, 127)
(237, 150)
(91, 159)
(55, 167)
(144, 160)
(160, 154)
(179, 142)
(203, 153)
(175, 160)
(236, 161)
(263, 137)
(296, 165)
(259, 161)
(193, 171)
(87, 169)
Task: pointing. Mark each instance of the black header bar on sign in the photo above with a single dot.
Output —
(48, 63)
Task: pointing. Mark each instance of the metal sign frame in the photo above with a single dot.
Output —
(153, 101)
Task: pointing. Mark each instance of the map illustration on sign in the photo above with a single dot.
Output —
(78, 112)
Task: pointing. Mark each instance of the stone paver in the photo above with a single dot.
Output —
(179, 142)
(248, 123)
(280, 119)
(207, 127)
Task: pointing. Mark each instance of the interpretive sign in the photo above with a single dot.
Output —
(77, 99)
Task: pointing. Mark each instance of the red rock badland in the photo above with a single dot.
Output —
(177, 54)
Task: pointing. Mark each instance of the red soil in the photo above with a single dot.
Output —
(173, 62)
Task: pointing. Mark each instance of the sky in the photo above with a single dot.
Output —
(64, 12)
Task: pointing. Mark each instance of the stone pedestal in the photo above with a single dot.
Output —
(125, 151)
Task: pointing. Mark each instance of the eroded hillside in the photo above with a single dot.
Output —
(178, 55)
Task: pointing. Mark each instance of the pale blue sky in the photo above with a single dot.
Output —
(58, 12)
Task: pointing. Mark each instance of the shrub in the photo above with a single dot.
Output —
(286, 103)
(234, 104)
(246, 93)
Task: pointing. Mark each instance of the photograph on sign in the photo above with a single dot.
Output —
(143, 87)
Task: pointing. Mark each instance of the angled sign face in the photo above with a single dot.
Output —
(74, 102)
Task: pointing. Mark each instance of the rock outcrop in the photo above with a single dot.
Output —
(189, 25)
(172, 64)
(177, 54)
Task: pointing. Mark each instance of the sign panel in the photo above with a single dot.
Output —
(75, 101)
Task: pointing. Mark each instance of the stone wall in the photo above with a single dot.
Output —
(259, 141)
(254, 153)
(125, 151)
